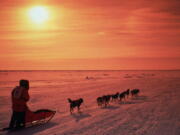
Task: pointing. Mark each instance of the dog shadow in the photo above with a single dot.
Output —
(79, 116)
(110, 107)
(142, 97)
(127, 102)
(33, 130)
(135, 100)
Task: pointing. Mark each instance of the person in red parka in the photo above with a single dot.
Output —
(20, 97)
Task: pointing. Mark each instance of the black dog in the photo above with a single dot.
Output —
(104, 100)
(122, 96)
(127, 92)
(100, 101)
(75, 103)
(115, 96)
(135, 92)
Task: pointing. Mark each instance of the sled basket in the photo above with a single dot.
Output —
(38, 117)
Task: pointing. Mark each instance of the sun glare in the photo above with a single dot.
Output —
(39, 14)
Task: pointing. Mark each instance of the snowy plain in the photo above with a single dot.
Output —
(156, 111)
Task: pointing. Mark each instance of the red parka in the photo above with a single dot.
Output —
(19, 96)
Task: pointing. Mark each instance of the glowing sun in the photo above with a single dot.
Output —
(39, 14)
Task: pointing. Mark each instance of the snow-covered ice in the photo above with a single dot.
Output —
(156, 111)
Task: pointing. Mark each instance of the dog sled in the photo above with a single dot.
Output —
(38, 117)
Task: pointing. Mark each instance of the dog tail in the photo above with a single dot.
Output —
(69, 100)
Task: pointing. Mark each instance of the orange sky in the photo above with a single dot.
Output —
(91, 34)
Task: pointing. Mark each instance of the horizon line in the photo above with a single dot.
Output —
(28, 70)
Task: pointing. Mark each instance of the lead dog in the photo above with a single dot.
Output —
(75, 103)
(135, 92)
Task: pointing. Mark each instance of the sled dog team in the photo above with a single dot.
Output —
(105, 99)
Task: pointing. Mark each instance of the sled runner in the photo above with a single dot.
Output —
(41, 116)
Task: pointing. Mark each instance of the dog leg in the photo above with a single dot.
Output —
(79, 111)
(71, 110)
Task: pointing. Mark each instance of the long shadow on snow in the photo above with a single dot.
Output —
(135, 100)
(32, 130)
(80, 116)
(127, 102)
(142, 97)
(110, 107)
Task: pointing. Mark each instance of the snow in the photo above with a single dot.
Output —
(155, 111)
